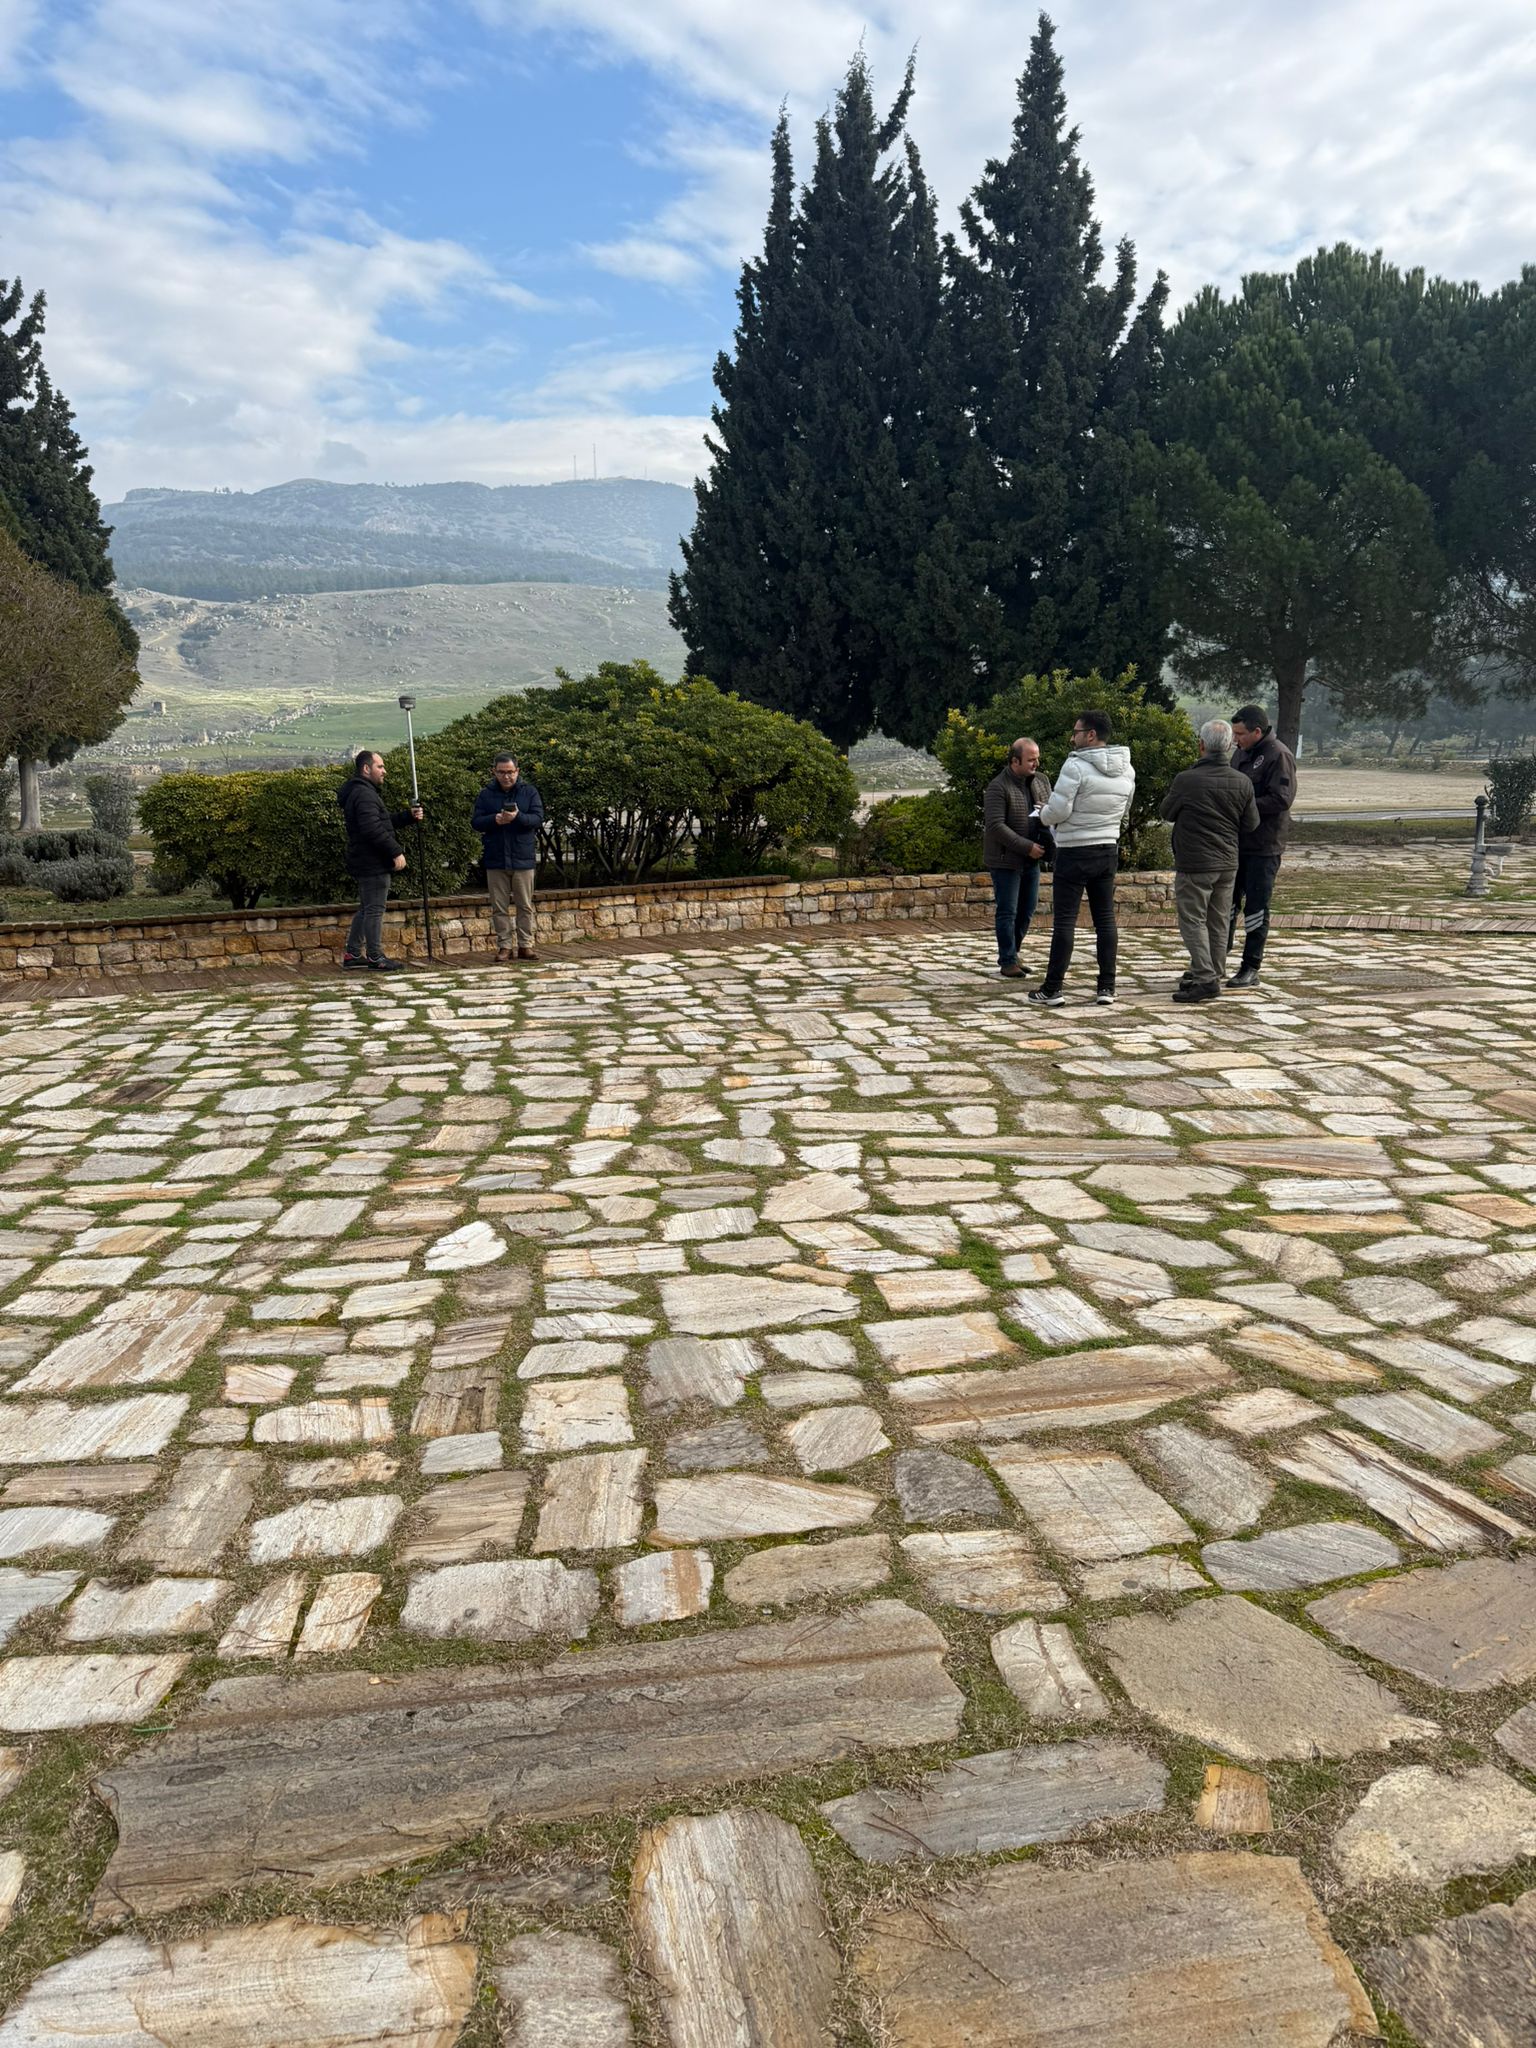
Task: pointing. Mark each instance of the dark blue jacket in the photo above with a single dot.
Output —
(514, 845)
(371, 827)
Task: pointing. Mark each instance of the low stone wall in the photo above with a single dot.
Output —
(310, 936)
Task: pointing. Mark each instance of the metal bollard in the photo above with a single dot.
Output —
(1477, 880)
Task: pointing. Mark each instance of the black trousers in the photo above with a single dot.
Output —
(1251, 892)
(1083, 871)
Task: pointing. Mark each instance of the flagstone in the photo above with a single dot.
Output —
(814, 1195)
(787, 1573)
(42, 1693)
(1425, 1827)
(367, 1468)
(1467, 1627)
(1007, 1799)
(935, 1486)
(1038, 1662)
(831, 1438)
(591, 1502)
(160, 1607)
(1307, 1554)
(260, 1986)
(1293, 1258)
(1471, 1979)
(1231, 1674)
(1440, 1366)
(509, 1601)
(1517, 1737)
(1055, 1315)
(1278, 1298)
(1263, 1410)
(732, 1932)
(929, 1343)
(988, 1571)
(668, 1585)
(24, 1593)
(80, 1485)
(1512, 1341)
(478, 1451)
(736, 1504)
(716, 1446)
(1423, 1424)
(391, 1298)
(338, 1614)
(683, 1369)
(1233, 1802)
(1427, 1508)
(703, 1305)
(1126, 1578)
(366, 1421)
(1130, 1283)
(571, 1355)
(929, 1288)
(457, 1402)
(1207, 1478)
(616, 1262)
(325, 1528)
(1062, 1200)
(567, 1415)
(1320, 1364)
(563, 1991)
(1162, 1247)
(143, 1339)
(324, 1216)
(263, 1626)
(576, 1325)
(1080, 1390)
(1087, 1504)
(1089, 1954)
(1392, 1299)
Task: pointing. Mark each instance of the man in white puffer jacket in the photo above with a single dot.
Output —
(1087, 808)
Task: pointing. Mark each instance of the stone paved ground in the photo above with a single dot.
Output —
(768, 1495)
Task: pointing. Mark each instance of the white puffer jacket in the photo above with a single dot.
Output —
(1092, 795)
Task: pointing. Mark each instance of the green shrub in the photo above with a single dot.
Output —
(200, 825)
(15, 868)
(161, 881)
(89, 878)
(973, 746)
(916, 835)
(112, 801)
(1512, 785)
(76, 842)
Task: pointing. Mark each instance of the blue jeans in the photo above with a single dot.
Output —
(1015, 893)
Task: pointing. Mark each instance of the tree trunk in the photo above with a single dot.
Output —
(30, 795)
(1291, 681)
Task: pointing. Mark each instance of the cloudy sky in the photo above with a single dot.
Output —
(409, 240)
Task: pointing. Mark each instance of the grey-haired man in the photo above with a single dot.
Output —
(1209, 806)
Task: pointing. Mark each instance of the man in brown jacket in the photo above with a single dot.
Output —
(1013, 848)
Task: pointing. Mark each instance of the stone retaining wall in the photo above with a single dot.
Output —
(310, 936)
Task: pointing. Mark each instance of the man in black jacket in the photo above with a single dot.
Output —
(373, 855)
(1014, 847)
(1271, 769)
(1209, 805)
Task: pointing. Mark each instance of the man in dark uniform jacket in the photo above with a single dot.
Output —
(373, 855)
(1271, 769)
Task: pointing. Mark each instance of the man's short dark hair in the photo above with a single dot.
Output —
(364, 758)
(1096, 722)
(1253, 716)
(505, 761)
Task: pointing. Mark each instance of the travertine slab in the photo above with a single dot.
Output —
(1206, 1477)
(504, 1602)
(1088, 1504)
(591, 1502)
(325, 1528)
(1420, 1826)
(211, 1495)
(54, 1433)
(987, 1571)
(1195, 1951)
(730, 1924)
(1078, 1391)
(1004, 1800)
(1424, 1506)
(263, 1626)
(338, 1614)
(162, 1607)
(791, 1572)
(273, 1985)
(143, 1339)
(1470, 1980)
(1039, 1664)
(1308, 1554)
(38, 1693)
(729, 1505)
(335, 1776)
(455, 1523)
(1232, 1674)
(1467, 1627)
(563, 1991)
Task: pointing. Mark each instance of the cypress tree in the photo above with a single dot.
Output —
(45, 481)
(1059, 370)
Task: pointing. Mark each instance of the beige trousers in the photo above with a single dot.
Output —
(1203, 903)
(511, 889)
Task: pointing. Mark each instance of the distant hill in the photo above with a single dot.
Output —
(307, 536)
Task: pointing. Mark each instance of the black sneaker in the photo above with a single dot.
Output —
(1051, 998)
(1104, 997)
(1245, 977)
(353, 960)
(1197, 992)
(383, 966)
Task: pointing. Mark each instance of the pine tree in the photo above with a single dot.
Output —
(45, 481)
(1059, 371)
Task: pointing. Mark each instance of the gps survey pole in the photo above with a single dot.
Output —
(408, 705)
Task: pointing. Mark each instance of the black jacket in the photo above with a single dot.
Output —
(1210, 804)
(371, 827)
(516, 845)
(1271, 769)
(1006, 827)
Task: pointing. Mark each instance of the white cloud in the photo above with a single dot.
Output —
(18, 18)
(601, 378)
(649, 258)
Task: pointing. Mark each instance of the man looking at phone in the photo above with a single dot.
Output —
(508, 813)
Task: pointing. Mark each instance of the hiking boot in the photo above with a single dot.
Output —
(1052, 999)
(526, 953)
(1245, 977)
(1014, 972)
(1197, 992)
(503, 955)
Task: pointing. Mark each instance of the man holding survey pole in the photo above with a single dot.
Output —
(508, 813)
(373, 855)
